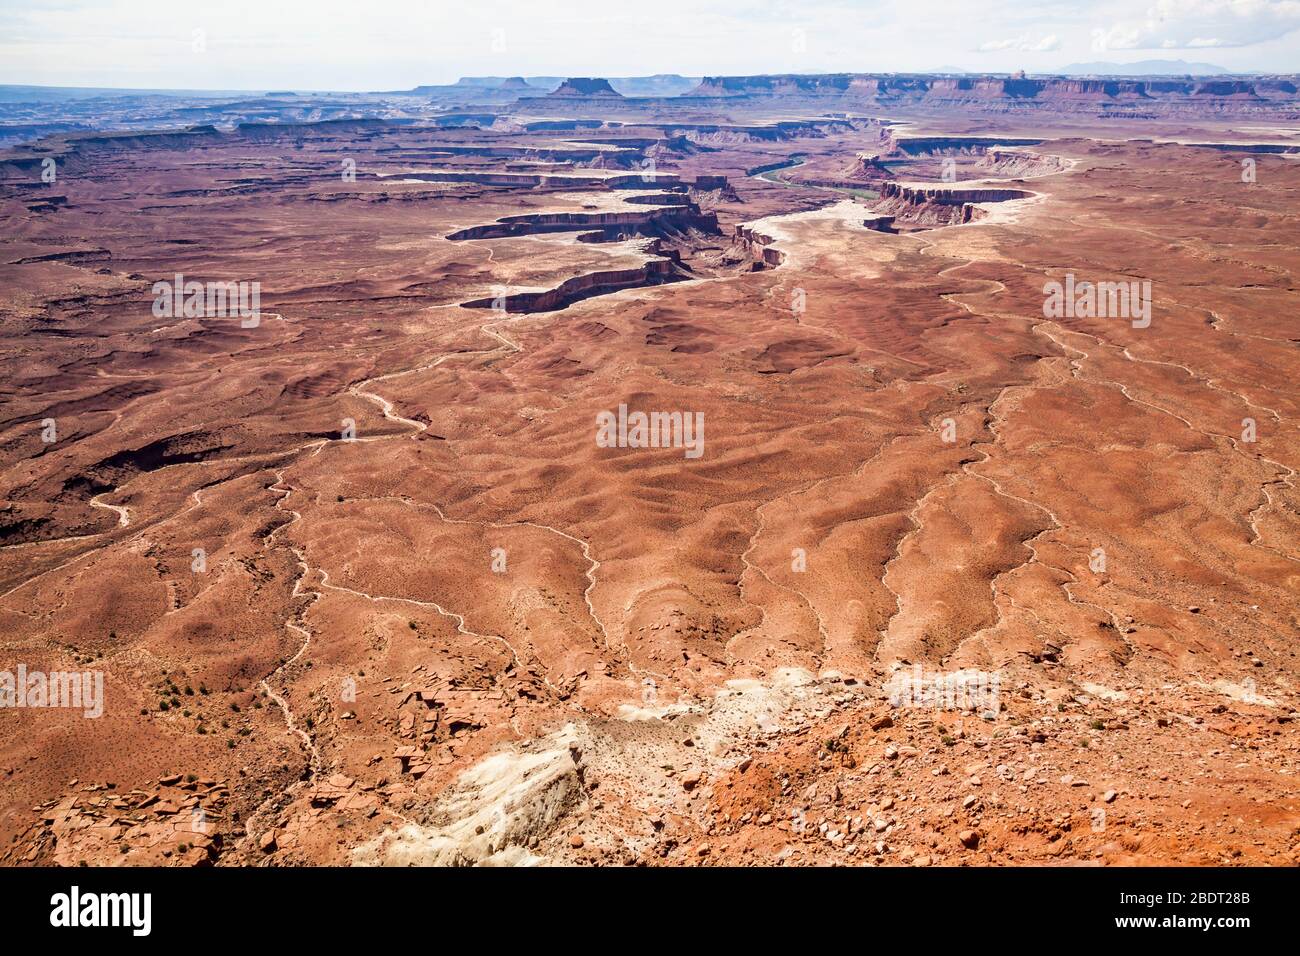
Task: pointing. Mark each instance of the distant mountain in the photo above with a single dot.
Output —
(661, 84)
(496, 82)
(16, 94)
(1143, 68)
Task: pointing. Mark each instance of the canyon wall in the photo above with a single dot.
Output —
(1070, 94)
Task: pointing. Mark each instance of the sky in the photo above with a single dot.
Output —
(398, 44)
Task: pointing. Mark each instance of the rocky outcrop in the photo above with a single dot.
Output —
(868, 168)
(650, 222)
(674, 147)
(563, 153)
(709, 183)
(496, 813)
(489, 177)
(666, 215)
(709, 134)
(1019, 163)
(926, 206)
(259, 132)
(464, 120)
(642, 180)
(71, 151)
(589, 285)
(758, 244)
(952, 145)
(950, 195)
(1233, 88)
(585, 86)
(1009, 93)
(181, 821)
(787, 84)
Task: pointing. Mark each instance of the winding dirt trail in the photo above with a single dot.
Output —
(290, 719)
(123, 514)
(386, 407)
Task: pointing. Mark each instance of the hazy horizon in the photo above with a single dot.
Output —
(399, 44)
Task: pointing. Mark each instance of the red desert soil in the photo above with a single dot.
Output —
(474, 634)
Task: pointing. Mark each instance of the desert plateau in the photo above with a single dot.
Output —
(772, 470)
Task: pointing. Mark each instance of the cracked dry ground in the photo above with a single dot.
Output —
(648, 680)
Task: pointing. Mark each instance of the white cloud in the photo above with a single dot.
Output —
(1199, 24)
(1022, 44)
